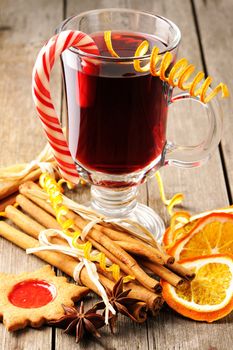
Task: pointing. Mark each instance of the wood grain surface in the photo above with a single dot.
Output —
(207, 30)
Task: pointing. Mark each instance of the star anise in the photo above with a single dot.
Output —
(76, 321)
(121, 303)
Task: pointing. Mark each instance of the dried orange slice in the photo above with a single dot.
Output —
(212, 234)
(170, 237)
(209, 296)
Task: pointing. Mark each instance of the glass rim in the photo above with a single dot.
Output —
(175, 42)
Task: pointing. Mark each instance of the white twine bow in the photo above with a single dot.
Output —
(76, 253)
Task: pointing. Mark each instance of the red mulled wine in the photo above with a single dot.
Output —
(116, 116)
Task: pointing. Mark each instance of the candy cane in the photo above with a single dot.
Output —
(42, 98)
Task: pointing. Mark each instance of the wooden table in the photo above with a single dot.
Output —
(207, 30)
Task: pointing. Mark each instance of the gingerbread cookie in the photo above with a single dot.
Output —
(35, 298)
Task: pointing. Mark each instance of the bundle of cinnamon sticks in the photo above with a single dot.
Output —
(134, 257)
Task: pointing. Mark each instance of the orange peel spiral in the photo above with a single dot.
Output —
(170, 203)
(180, 74)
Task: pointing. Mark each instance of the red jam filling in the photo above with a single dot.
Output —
(32, 294)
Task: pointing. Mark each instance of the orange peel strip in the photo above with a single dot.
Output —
(185, 77)
(108, 42)
(182, 217)
(178, 68)
(69, 184)
(179, 74)
(176, 199)
(128, 278)
(154, 58)
(219, 88)
(161, 188)
(141, 51)
(165, 64)
(170, 203)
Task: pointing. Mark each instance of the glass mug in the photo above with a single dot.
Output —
(117, 117)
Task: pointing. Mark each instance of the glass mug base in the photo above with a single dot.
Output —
(121, 181)
(115, 196)
(122, 204)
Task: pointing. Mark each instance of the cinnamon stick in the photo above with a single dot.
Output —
(139, 311)
(154, 300)
(31, 186)
(163, 273)
(23, 221)
(8, 201)
(139, 248)
(181, 271)
(37, 213)
(13, 186)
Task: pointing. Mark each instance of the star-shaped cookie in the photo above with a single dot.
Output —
(34, 298)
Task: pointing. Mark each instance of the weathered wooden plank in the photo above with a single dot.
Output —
(24, 26)
(215, 25)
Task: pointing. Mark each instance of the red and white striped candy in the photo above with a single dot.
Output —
(42, 98)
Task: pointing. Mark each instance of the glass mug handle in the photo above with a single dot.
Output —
(184, 156)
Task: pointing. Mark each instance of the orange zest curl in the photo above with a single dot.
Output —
(108, 41)
(179, 75)
(170, 203)
(179, 218)
(69, 184)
